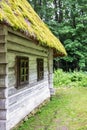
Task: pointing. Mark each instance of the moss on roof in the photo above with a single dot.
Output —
(20, 16)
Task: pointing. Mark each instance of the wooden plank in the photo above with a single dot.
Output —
(20, 102)
(30, 104)
(3, 79)
(31, 80)
(2, 58)
(23, 49)
(22, 40)
(3, 93)
(3, 104)
(50, 69)
(11, 64)
(2, 39)
(3, 125)
(3, 63)
(2, 47)
(11, 59)
(11, 81)
(3, 29)
(32, 60)
(32, 69)
(32, 76)
(1, 32)
(2, 82)
(27, 91)
(11, 56)
(2, 69)
(3, 114)
(11, 71)
(18, 33)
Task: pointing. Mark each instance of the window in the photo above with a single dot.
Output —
(22, 70)
(40, 69)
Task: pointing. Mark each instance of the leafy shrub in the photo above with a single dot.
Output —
(68, 79)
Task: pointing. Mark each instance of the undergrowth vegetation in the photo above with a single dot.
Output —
(70, 79)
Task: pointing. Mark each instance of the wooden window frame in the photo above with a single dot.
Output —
(40, 69)
(22, 64)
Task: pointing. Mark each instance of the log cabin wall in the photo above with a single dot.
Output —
(24, 100)
(50, 71)
(3, 80)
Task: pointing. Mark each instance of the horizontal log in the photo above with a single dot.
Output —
(2, 47)
(11, 71)
(16, 33)
(3, 114)
(11, 56)
(26, 91)
(11, 82)
(1, 27)
(11, 59)
(3, 58)
(3, 30)
(3, 104)
(2, 39)
(31, 81)
(32, 97)
(3, 125)
(2, 69)
(11, 91)
(30, 104)
(20, 48)
(3, 93)
(2, 82)
(32, 77)
(32, 71)
(4, 63)
(25, 42)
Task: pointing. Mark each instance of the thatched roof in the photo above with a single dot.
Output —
(19, 15)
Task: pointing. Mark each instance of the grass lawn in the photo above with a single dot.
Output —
(67, 110)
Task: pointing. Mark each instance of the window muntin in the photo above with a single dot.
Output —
(22, 70)
(40, 69)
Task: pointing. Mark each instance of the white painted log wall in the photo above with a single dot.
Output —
(33, 99)
(3, 80)
(32, 68)
(22, 101)
(50, 69)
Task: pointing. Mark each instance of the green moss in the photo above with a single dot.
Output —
(20, 15)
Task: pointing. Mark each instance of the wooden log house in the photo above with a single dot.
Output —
(27, 48)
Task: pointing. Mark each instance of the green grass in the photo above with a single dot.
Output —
(67, 110)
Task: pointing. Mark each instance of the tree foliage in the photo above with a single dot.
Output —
(67, 19)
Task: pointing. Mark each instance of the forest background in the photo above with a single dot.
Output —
(67, 19)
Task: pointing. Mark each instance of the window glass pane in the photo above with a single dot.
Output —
(26, 64)
(27, 71)
(22, 63)
(22, 70)
(22, 78)
(26, 77)
(40, 68)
